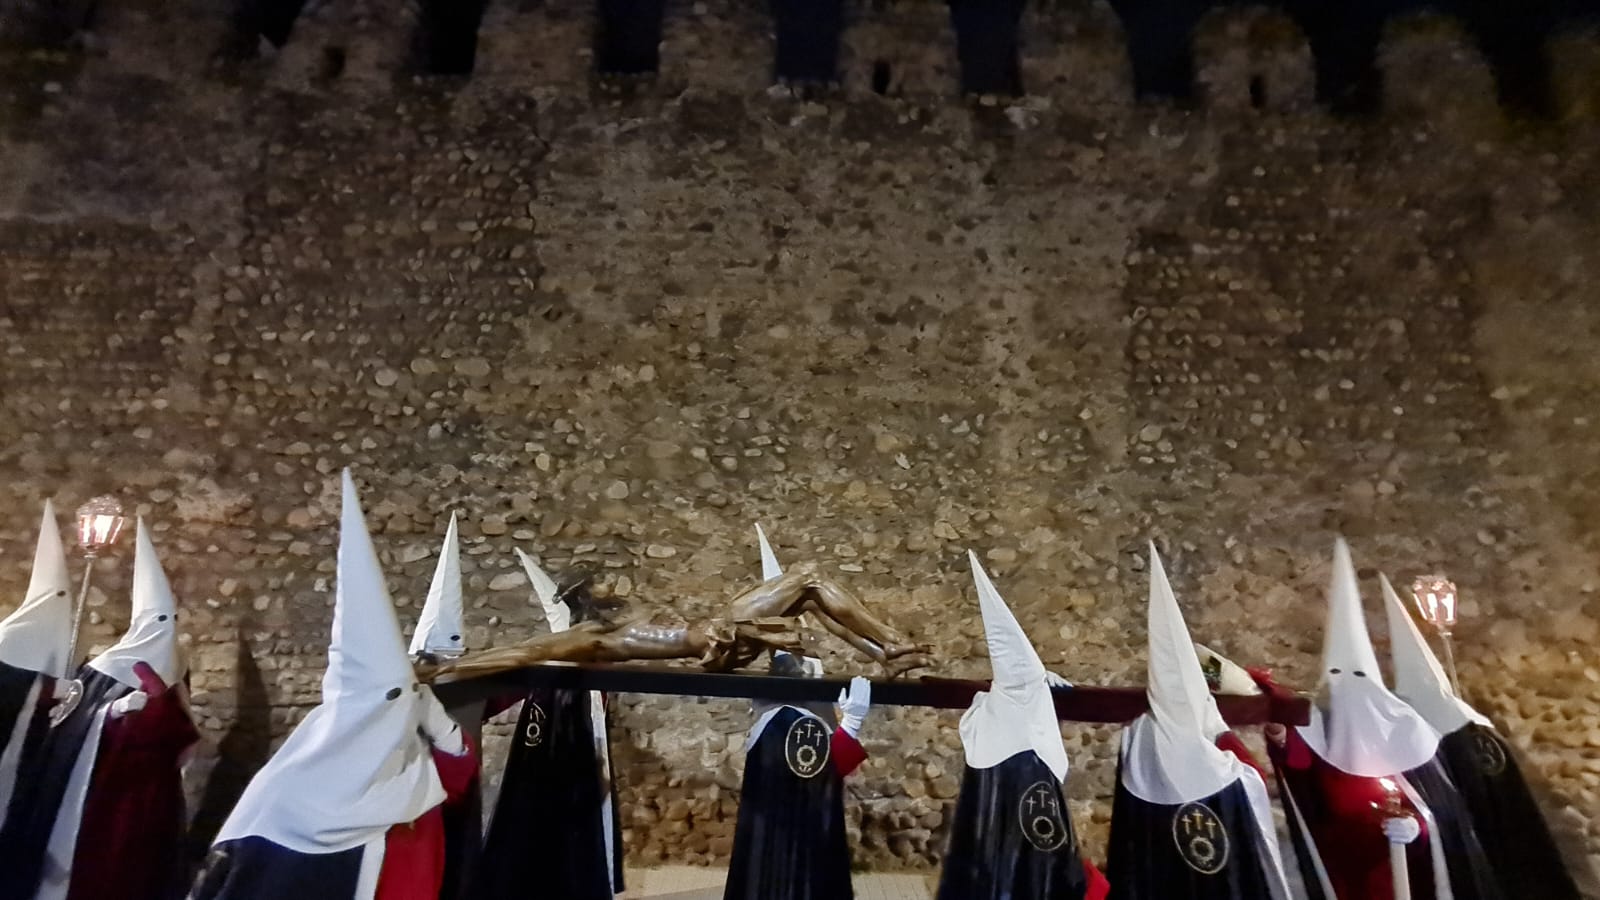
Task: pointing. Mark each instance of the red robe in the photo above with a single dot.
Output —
(1098, 886)
(1344, 815)
(130, 837)
(413, 853)
(847, 752)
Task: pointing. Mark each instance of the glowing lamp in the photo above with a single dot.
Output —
(1436, 604)
(99, 522)
(1436, 601)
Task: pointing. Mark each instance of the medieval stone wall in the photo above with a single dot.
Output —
(620, 327)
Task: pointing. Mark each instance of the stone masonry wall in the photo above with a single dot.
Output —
(620, 327)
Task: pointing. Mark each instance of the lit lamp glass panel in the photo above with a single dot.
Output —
(1436, 601)
(99, 522)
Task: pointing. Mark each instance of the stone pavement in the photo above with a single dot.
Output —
(698, 883)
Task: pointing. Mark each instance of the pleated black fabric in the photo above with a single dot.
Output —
(1012, 838)
(463, 820)
(1470, 875)
(1210, 849)
(42, 785)
(21, 721)
(1513, 833)
(790, 841)
(15, 686)
(254, 868)
(546, 836)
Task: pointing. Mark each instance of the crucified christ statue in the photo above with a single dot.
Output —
(760, 619)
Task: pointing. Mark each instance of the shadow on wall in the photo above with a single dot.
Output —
(244, 749)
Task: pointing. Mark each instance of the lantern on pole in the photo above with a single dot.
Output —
(1435, 596)
(100, 521)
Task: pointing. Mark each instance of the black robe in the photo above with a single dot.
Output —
(42, 786)
(463, 821)
(549, 825)
(254, 868)
(1505, 816)
(24, 722)
(790, 841)
(1471, 877)
(1211, 849)
(1012, 838)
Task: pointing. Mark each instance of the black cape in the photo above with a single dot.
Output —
(549, 826)
(24, 720)
(254, 868)
(42, 786)
(1518, 843)
(1470, 875)
(463, 820)
(1210, 849)
(1012, 838)
(790, 841)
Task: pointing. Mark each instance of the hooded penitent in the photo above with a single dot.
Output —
(36, 637)
(1189, 819)
(34, 642)
(109, 788)
(790, 842)
(1366, 756)
(441, 634)
(1482, 765)
(313, 822)
(556, 822)
(439, 628)
(1011, 836)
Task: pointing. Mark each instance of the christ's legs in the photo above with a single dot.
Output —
(802, 589)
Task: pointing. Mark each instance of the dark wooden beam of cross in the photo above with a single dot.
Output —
(1101, 705)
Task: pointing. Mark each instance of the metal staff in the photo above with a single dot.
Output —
(1436, 601)
(100, 521)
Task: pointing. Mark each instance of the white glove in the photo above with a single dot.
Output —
(1401, 830)
(441, 730)
(129, 703)
(1054, 680)
(854, 702)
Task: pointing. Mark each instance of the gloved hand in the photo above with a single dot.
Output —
(129, 703)
(1401, 829)
(1054, 680)
(149, 681)
(854, 702)
(438, 727)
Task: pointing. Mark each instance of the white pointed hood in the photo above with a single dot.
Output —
(37, 636)
(1018, 712)
(1357, 725)
(439, 628)
(556, 612)
(152, 635)
(1168, 757)
(1418, 678)
(357, 765)
(769, 560)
